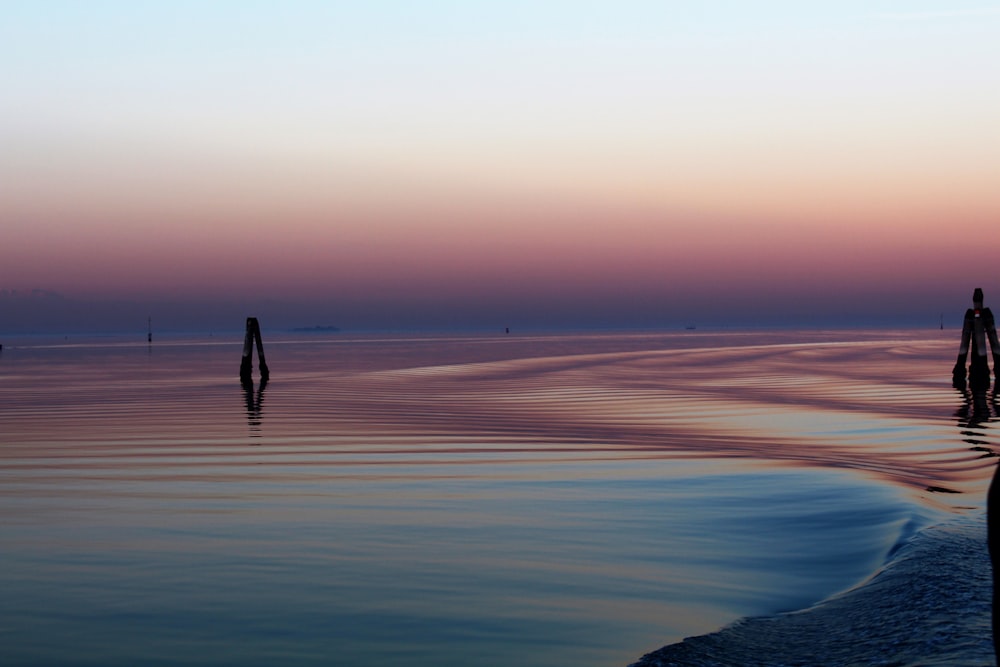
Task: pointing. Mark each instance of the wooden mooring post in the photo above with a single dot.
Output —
(246, 366)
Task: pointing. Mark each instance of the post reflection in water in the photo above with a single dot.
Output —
(254, 405)
(978, 409)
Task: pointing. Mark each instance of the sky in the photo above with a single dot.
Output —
(538, 164)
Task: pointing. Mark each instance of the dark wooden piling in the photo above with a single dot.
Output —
(246, 366)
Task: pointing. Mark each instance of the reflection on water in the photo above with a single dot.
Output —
(459, 500)
(978, 409)
(255, 405)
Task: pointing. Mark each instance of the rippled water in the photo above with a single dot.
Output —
(454, 500)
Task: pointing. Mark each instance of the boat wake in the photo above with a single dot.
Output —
(929, 605)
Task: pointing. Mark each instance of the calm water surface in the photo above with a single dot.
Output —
(450, 500)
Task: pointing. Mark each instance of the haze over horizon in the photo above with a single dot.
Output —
(557, 164)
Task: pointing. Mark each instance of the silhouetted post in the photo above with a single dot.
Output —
(977, 327)
(246, 366)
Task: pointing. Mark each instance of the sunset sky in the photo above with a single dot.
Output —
(563, 163)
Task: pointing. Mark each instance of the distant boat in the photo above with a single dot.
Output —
(690, 328)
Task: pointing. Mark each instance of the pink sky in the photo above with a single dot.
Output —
(847, 158)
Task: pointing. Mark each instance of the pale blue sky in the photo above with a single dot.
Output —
(448, 139)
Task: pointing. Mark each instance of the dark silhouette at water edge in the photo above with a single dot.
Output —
(993, 541)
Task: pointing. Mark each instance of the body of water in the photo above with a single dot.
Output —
(485, 500)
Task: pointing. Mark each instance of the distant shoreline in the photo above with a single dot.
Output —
(316, 329)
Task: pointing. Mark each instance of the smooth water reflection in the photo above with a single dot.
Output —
(449, 503)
